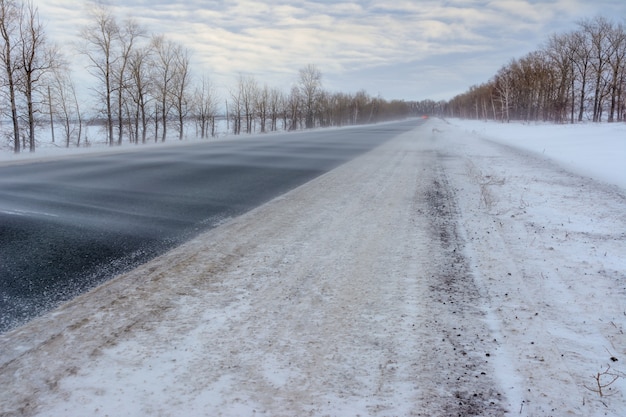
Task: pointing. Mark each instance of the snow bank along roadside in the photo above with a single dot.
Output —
(439, 274)
(597, 150)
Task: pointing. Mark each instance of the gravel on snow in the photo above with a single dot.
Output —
(439, 274)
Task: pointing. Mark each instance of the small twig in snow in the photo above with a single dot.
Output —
(600, 384)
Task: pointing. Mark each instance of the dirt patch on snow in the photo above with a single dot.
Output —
(464, 372)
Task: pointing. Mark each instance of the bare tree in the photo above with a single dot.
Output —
(275, 100)
(126, 40)
(164, 71)
(10, 16)
(504, 88)
(360, 107)
(180, 85)
(26, 58)
(561, 54)
(310, 85)
(139, 89)
(582, 66)
(284, 108)
(205, 107)
(262, 105)
(598, 30)
(616, 39)
(248, 91)
(326, 105)
(37, 59)
(292, 108)
(98, 39)
(341, 112)
(66, 105)
(236, 108)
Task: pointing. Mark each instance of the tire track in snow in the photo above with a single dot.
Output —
(456, 359)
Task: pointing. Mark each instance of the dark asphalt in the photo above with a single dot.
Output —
(68, 225)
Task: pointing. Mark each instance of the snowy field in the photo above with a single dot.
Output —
(463, 268)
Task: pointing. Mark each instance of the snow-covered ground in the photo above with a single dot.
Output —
(591, 149)
(447, 272)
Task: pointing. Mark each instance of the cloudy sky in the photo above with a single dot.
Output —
(400, 49)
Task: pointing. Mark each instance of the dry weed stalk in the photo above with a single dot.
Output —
(484, 181)
(604, 380)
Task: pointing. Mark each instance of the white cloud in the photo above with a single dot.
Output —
(272, 39)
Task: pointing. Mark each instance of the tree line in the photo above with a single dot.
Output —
(574, 76)
(145, 88)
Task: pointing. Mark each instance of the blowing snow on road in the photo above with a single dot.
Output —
(440, 274)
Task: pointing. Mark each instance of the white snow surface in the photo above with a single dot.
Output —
(462, 268)
(591, 149)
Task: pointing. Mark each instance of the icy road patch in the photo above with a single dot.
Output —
(440, 274)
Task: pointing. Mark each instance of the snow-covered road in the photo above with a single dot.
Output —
(440, 274)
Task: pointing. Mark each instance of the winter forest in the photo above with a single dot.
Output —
(146, 89)
(575, 76)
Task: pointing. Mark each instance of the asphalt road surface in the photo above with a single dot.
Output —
(68, 225)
